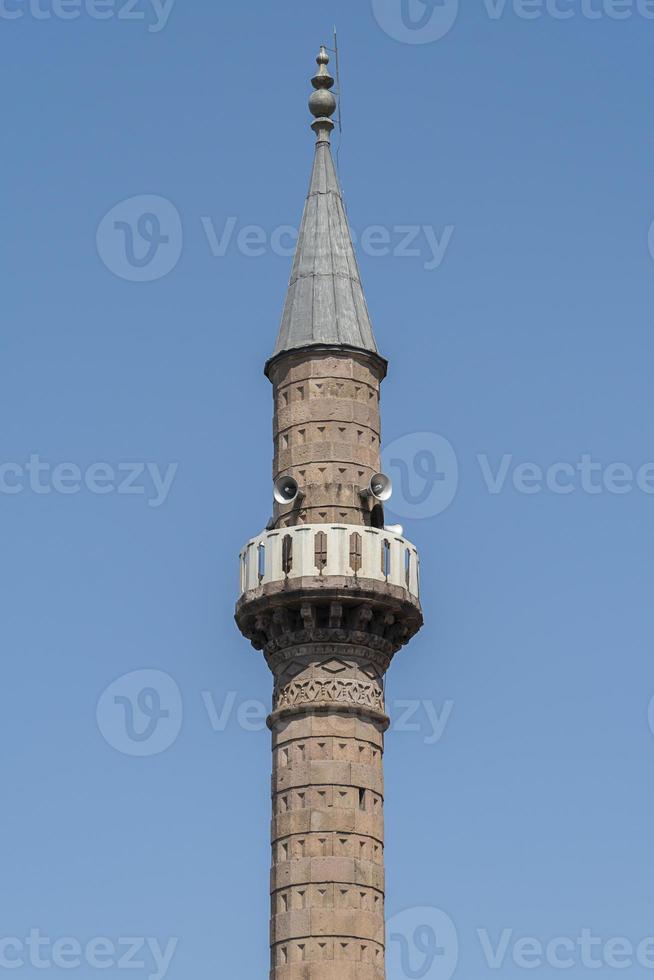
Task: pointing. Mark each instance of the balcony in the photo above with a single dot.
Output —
(324, 551)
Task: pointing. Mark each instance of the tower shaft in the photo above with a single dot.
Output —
(327, 432)
(327, 881)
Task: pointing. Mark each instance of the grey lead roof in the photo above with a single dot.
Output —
(325, 303)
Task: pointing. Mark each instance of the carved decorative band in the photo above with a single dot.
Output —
(305, 636)
(330, 651)
(333, 690)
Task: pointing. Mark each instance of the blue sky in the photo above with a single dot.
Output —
(510, 150)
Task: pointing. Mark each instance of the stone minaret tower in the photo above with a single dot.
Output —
(329, 595)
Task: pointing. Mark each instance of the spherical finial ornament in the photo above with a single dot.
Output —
(322, 103)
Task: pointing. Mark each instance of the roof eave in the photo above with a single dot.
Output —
(380, 361)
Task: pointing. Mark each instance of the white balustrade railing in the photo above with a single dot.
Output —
(343, 550)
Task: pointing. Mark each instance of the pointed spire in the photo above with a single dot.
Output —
(325, 303)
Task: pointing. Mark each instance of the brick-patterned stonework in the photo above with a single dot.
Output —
(327, 432)
(327, 880)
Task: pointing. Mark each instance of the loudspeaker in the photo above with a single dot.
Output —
(380, 487)
(285, 490)
(395, 529)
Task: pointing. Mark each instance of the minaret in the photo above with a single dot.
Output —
(329, 595)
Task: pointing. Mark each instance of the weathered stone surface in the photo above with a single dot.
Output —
(325, 961)
(355, 923)
(327, 433)
(327, 879)
(328, 821)
(283, 618)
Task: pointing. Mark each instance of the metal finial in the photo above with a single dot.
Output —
(322, 103)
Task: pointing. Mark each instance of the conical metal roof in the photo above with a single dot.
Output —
(325, 303)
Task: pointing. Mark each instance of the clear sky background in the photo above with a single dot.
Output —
(531, 141)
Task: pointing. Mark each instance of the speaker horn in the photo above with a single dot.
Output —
(396, 529)
(380, 487)
(286, 490)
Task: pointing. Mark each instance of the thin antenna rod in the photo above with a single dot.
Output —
(339, 118)
(338, 83)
